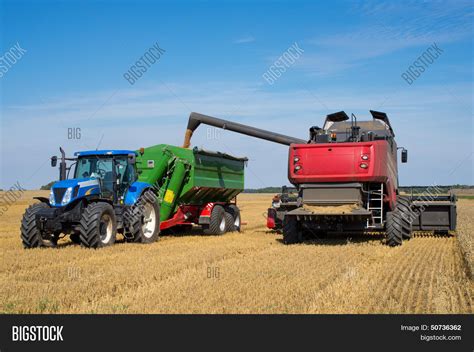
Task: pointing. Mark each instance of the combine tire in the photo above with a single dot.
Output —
(394, 228)
(233, 218)
(98, 225)
(406, 211)
(143, 221)
(218, 222)
(30, 235)
(291, 233)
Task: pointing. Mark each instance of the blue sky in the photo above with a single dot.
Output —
(215, 55)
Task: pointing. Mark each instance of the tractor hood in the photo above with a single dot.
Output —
(66, 191)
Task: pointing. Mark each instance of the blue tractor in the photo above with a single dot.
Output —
(101, 198)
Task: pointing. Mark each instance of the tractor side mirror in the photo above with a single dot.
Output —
(404, 155)
(54, 161)
(132, 158)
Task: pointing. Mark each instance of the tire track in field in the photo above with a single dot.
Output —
(432, 283)
(462, 292)
(419, 284)
(393, 289)
(385, 274)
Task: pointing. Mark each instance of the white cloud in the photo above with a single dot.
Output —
(243, 40)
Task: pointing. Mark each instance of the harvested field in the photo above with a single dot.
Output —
(248, 272)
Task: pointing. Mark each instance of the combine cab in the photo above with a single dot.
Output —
(346, 180)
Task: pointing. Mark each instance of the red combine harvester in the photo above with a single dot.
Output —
(346, 181)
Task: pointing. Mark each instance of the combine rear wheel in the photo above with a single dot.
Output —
(291, 232)
(98, 225)
(143, 220)
(30, 234)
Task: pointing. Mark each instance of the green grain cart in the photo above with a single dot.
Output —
(136, 193)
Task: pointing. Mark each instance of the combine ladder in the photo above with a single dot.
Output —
(375, 205)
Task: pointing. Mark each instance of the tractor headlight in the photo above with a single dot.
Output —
(67, 196)
(51, 198)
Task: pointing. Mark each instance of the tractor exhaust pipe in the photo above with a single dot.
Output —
(195, 119)
(62, 165)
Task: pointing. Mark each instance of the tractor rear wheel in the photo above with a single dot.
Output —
(218, 223)
(143, 220)
(30, 234)
(405, 207)
(394, 228)
(98, 225)
(234, 221)
(291, 232)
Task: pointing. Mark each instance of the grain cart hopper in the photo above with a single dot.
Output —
(136, 193)
(346, 176)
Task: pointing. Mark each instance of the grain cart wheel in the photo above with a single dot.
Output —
(143, 219)
(30, 234)
(217, 222)
(98, 225)
(291, 232)
(234, 212)
(405, 207)
(393, 228)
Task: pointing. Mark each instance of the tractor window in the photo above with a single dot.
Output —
(125, 174)
(98, 167)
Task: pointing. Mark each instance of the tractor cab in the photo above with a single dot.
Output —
(105, 174)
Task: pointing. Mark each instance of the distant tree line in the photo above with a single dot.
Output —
(407, 189)
(47, 186)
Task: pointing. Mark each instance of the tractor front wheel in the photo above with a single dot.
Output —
(30, 234)
(98, 225)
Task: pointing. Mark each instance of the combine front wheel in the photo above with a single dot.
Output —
(406, 211)
(394, 228)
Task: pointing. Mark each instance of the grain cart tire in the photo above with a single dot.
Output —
(217, 222)
(291, 233)
(143, 221)
(30, 234)
(405, 207)
(235, 223)
(394, 229)
(98, 225)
